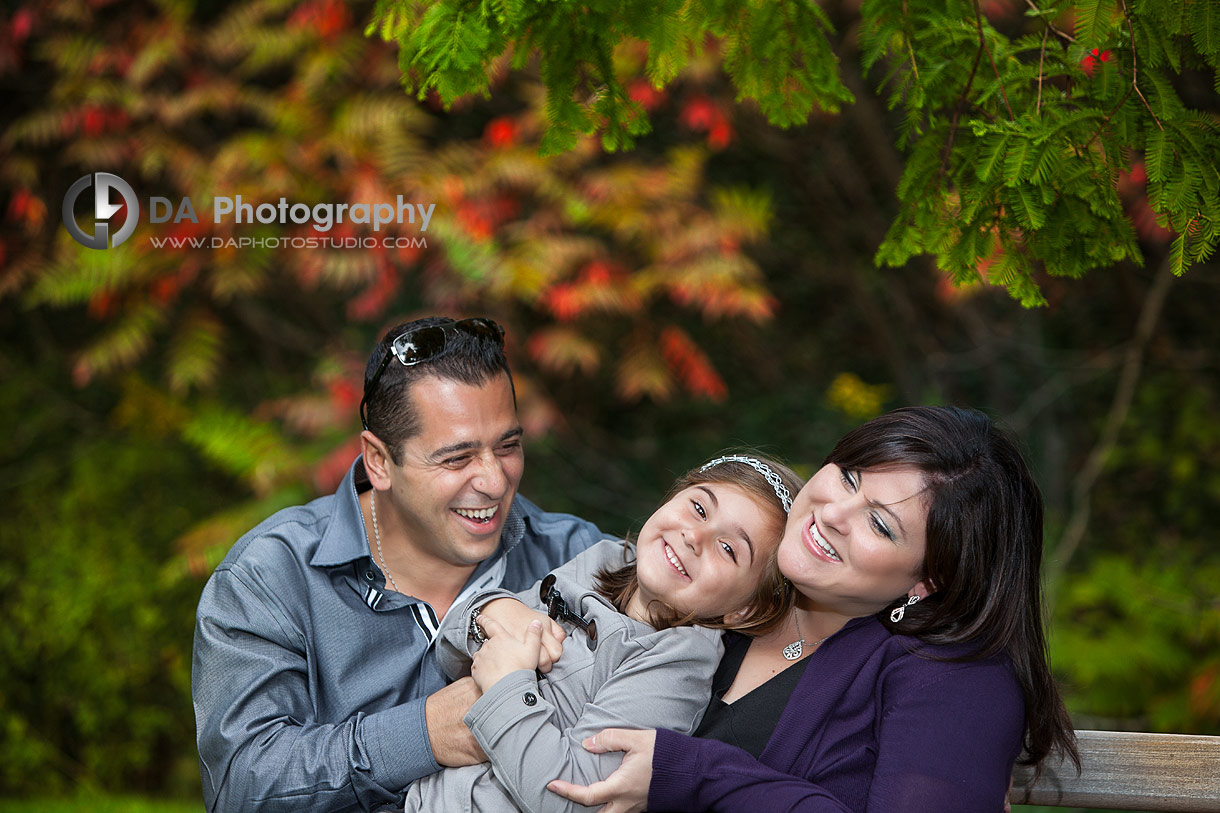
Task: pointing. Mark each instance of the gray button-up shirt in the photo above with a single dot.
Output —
(309, 677)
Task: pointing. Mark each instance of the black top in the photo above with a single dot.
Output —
(748, 721)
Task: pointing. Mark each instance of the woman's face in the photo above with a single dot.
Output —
(704, 551)
(855, 540)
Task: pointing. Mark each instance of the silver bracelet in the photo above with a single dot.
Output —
(473, 630)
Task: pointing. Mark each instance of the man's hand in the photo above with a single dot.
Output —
(503, 653)
(625, 790)
(452, 742)
(515, 617)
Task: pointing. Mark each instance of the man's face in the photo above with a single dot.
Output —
(459, 474)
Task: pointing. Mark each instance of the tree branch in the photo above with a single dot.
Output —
(1124, 394)
(1041, 58)
(957, 110)
(978, 21)
(1063, 35)
(1134, 67)
(1134, 87)
(907, 36)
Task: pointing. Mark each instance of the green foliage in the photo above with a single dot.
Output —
(1059, 136)
(1136, 628)
(97, 804)
(775, 53)
(1132, 633)
(94, 651)
(1016, 140)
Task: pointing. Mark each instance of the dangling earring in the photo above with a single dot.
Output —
(901, 610)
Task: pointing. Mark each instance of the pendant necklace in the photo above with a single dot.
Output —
(794, 650)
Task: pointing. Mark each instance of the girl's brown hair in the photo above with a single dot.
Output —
(772, 598)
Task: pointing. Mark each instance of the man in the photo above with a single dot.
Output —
(314, 680)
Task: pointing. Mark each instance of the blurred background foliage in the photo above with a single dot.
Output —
(711, 288)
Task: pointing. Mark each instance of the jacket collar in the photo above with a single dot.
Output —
(345, 539)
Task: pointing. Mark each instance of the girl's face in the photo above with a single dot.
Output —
(855, 540)
(704, 551)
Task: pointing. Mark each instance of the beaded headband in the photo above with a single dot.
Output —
(781, 490)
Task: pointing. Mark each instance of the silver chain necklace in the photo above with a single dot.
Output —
(381, 557)
(794, 650)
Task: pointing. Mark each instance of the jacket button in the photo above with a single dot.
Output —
(368, 575)
(529, 698)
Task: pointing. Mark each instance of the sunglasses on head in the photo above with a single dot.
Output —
(426, 343)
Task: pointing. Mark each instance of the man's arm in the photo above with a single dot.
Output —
(260, 745)
(445, 709)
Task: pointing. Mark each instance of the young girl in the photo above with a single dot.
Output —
(643, 638)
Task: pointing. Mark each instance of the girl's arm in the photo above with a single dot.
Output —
(665, 683)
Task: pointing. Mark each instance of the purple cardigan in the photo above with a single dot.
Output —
(870, 727)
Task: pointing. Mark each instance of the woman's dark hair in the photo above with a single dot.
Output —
(467, 359)
(984, 549)
(774, 595)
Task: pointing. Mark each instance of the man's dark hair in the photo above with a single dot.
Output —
(467, 359)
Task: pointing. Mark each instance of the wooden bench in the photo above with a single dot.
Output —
(1130, 771)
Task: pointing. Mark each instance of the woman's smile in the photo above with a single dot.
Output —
(818, 544)
(855, 539)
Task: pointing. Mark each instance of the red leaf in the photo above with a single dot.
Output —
(1143, 218)
(343, 394)
(329, 18)
(19, 204)
(102, 304)
(1203, 694)
(500, 132)
(698, 113)
(996, 9)
(1094, 58)
(564, 301)
(22, 25)
(690, 365)
(166, 288)
(331, 471)
(373, 302)
(599, 274)
(645, 94)
(720, 133)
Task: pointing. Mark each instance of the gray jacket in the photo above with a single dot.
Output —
(531, 728)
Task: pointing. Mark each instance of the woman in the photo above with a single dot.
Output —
(915, 552)
(643, 638)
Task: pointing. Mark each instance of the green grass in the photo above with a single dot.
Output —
(99, 804)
